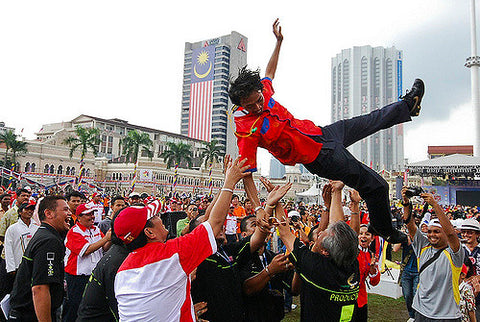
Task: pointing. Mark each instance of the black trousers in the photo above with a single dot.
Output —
(360, 314)
(335, 162)
(75, 287)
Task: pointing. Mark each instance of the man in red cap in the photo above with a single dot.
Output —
(153, 282)
(83, 251)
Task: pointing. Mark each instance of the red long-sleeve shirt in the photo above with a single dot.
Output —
(364, 258)
(276, 130)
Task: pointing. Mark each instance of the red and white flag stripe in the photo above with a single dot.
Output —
(201, 101)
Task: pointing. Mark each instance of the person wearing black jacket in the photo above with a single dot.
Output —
(98, 301)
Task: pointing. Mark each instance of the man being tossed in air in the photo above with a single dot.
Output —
(262, 122)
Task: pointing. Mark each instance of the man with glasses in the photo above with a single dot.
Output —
(192, 213)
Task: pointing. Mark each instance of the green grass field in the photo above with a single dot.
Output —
(380, 309)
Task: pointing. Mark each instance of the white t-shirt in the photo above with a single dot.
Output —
(231, 225)
(17, 238)
(438, 294)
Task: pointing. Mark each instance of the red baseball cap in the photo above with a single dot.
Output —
(83, 209)
(130, 222)
(29, 204)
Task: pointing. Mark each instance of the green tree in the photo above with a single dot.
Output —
(84, 139)
(210, 153)
(133, 143)
(176, 154)
(8, 138)
(18, 147)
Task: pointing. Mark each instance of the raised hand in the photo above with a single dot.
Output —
(429, 198)
(267, 184)
(277, 30)
(355, 196)
(404, 196)
(327, 195)
(277, 193)
(226, 161)
(235, 171)
(337, 185)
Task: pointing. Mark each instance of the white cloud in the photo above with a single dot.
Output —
(458, 129)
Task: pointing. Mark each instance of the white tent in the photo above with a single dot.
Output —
(313, 191)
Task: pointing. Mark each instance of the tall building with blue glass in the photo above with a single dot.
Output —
(365, 79)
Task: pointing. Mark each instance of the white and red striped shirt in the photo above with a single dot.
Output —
(153, 282)
(77, 241)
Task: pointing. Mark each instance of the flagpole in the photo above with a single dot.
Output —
(175, 177)
(134, 179)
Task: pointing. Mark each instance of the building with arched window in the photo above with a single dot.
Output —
(365, 79)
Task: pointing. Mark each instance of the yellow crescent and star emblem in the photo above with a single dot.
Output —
(202, 59)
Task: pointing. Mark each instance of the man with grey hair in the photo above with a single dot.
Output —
(329, 270)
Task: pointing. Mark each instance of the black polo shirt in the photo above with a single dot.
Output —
(329, 292)
(98, 301)
(42, 264)
(268, 304)
(218, 282)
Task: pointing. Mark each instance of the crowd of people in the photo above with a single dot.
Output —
(73, 257)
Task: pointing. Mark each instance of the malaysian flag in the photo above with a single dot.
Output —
(201, 93)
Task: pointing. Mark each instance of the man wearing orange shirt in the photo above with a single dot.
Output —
(238, 212)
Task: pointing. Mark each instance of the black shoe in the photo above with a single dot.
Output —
(395, 237)
(414, 96)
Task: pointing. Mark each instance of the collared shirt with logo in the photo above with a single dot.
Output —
(277, 130)
(42, 264)
(77, 241)
(17, 238)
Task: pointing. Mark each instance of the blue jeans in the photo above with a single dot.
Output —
(409, 288)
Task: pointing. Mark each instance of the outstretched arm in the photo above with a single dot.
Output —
(452, 238)
(355, 210)
(407, 214)
(272, 63)
(235, 172)
(336, 209)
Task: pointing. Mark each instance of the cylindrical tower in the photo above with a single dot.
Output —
(473, 62)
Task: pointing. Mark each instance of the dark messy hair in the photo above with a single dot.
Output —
(247, 82)
(75, 193)
(243, 223)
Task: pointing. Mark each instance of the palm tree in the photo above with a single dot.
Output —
(84, 139)
(8, 138)
(18, 147)
(132, 143)
(209, 154)
(175, 154)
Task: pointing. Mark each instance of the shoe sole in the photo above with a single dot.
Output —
(416, 106)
